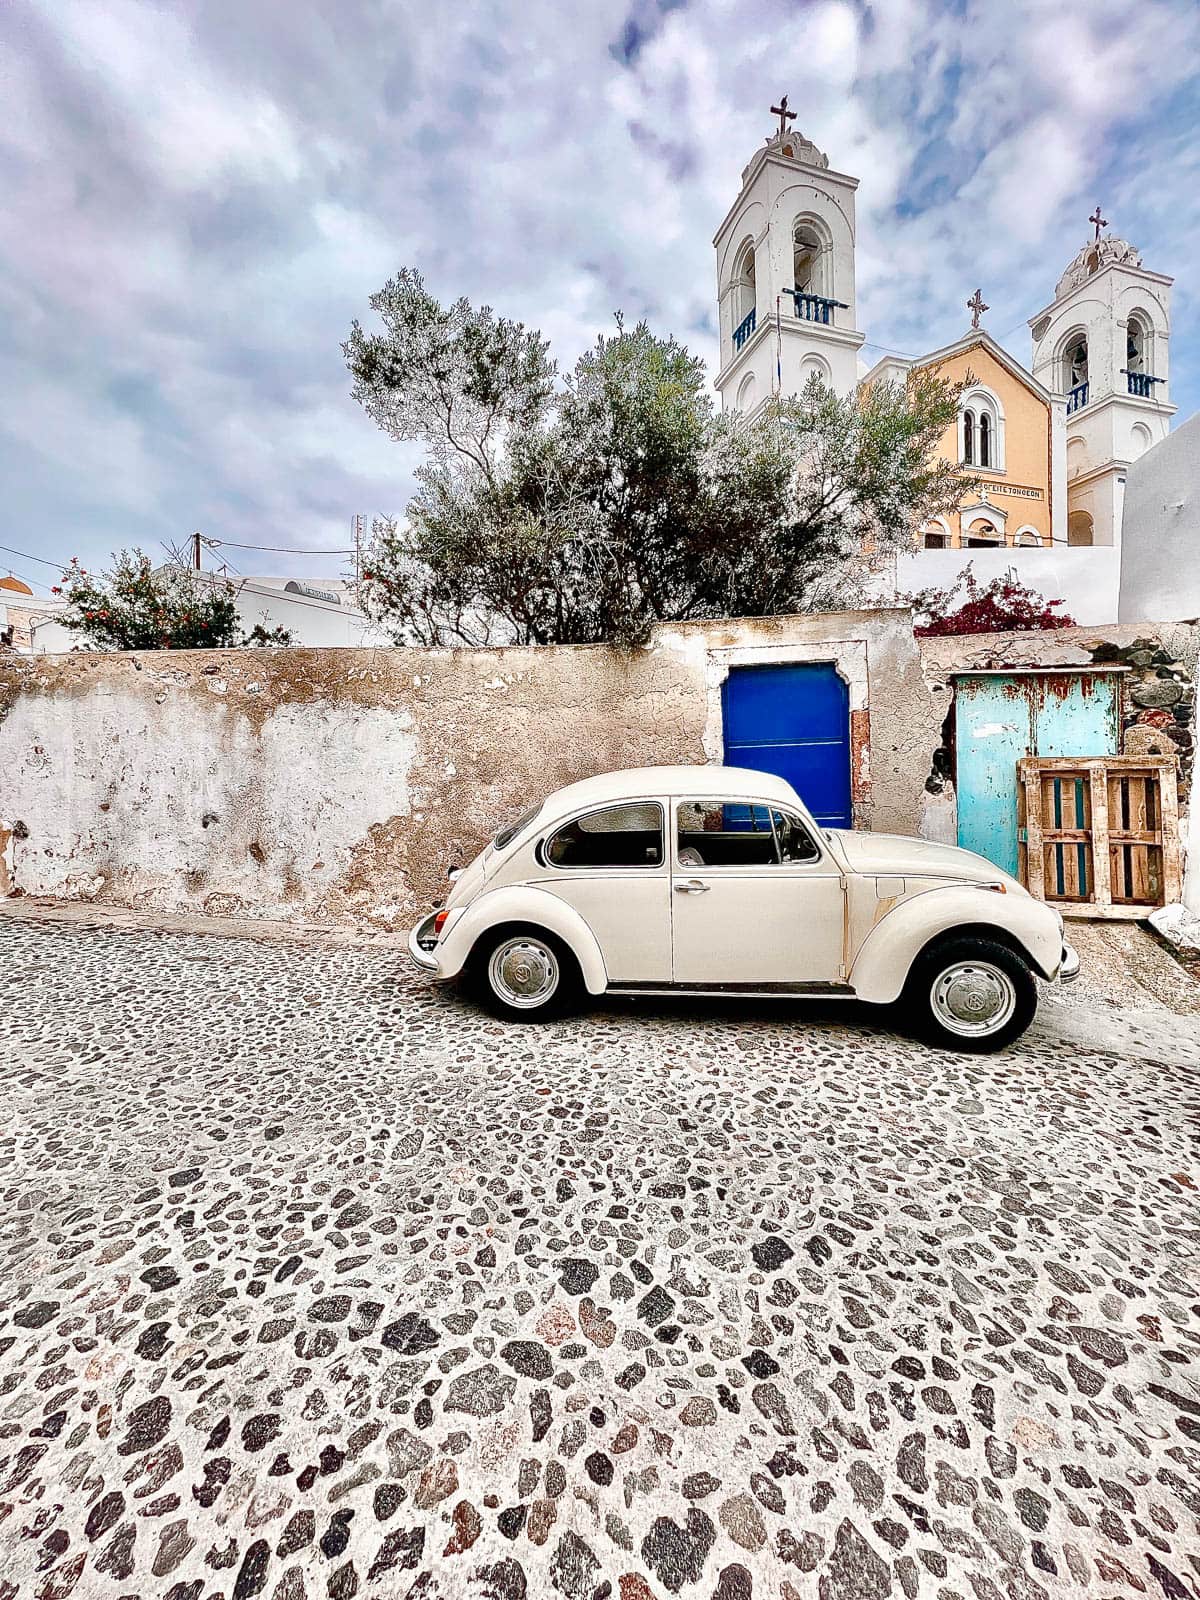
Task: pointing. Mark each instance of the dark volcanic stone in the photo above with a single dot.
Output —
(160, 1278)
(252, 1577)
(503, 1580)
(104, 1514)
(399, 1552)
(771, 1253)
(577, 1274)
(334, 1308)
(760, 1365)
(36, 1315)
(656, 1306)
(599, 1468)
(410, 1334)
(530, 1359)
(854, 1571)
(574, 1568)
(181, 1179)
(152, 1342)
(677, 1554)
(260, 1430)
(512, 1520)
(147, 1424)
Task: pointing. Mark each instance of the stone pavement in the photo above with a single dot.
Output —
(316, 1282)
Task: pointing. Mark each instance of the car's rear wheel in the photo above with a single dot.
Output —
(526, 975)
(970, 993)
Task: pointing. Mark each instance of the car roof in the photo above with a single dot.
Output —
(637, 783)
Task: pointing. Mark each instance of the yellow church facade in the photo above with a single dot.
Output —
(1008, 437)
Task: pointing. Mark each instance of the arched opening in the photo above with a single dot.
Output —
(808, 260)
(1139, 440)
(747, 391)
(985, 440)
(1075, 371)
(968, 439)
(1029, 536)
(1079, 527)
(745, 296)
(933, 538)
(983, 536)
(1139, 367)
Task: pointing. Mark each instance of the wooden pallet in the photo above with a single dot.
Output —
(1100, 837)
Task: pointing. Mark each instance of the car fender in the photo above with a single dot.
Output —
(882, 964)
(528, 904)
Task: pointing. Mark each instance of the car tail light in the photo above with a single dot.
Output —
(439, 922)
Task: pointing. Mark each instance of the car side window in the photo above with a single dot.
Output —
(720, 833)
(618, 836)
(795, 842)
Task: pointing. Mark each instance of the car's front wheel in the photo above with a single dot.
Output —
(971, 993)
(526, 975)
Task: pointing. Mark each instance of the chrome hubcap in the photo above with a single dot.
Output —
(523, 972)
(973, 998)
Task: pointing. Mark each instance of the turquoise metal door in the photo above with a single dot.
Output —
(1000, 717)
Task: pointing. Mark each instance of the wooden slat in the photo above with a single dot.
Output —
(1101, 860)
(1104, 833)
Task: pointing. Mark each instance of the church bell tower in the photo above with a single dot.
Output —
(1103, 343)
(785, 275)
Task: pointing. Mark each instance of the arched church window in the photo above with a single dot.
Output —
(808, 260)
(1079, 528)
(985, 440)
(968, 435)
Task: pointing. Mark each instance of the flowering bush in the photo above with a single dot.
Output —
(133, 607)
(1005, 605)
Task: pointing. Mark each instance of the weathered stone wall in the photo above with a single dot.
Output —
(1158, 698)
(337, 785)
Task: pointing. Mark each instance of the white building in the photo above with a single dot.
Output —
(319, 611)
(1099, 380)
(785, 277)
(1103, 342)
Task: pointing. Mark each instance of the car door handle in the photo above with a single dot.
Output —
(692, 886)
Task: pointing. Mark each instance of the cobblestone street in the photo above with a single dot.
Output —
(315, 1281)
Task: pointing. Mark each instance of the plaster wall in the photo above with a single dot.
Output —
(1160, 547)
(338, 785)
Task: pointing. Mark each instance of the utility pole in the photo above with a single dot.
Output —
(358, 532)
(196, 552)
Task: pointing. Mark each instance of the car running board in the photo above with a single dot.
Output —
(835, 991)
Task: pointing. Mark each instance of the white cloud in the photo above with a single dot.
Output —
(198, 202)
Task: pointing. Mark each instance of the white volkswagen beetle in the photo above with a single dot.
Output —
(716, 880)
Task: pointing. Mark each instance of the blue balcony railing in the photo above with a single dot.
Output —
(745, 328)
(815, 307)
(1077, 397)
(1141, 384)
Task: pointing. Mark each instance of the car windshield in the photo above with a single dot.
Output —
(506, 835)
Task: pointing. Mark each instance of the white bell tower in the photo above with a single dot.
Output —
(785, 275)
(1103, 343)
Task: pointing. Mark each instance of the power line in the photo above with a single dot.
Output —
(25, 556)
(279, 549)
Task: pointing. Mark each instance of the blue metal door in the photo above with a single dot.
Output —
(793, 721)
(1000, 717)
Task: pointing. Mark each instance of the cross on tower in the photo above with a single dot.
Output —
(785, 116)
(977, 306)
(1100, 222)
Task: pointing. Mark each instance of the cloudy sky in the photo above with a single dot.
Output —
(199, 196)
